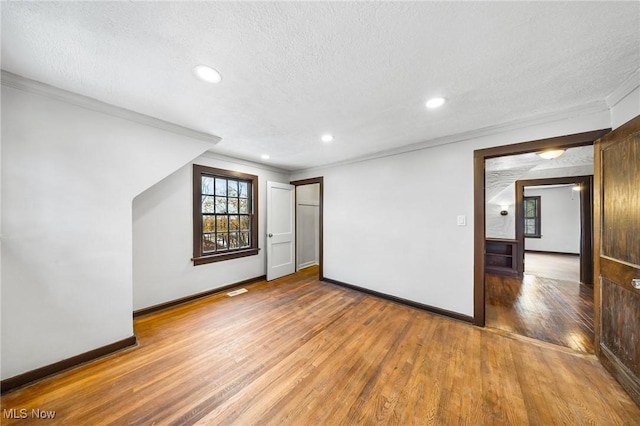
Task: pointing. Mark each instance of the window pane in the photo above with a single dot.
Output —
(221, 186)
(244, 205)
(244, 189)
(233, 205)
(221, 204)
(245, 241)
(529, 208)
(222, 241)
(244, 223)
(529, 226)
(234, 241)
(207, 185)
(225, 218)
(208, 224)
(233, 188)
(207, 204)
(222, 223)
(233, 223)
(208, 243)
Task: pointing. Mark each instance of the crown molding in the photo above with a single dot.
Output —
(235, 160)
(550, 117)
(626, 87)
(32, 86)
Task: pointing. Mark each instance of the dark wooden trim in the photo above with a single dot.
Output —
(479, 232)
(586, 220)
(479, 157)
(200, 258)
(225, 256)
(586, 233)
(620, 372)
(558, 142)
(401, 301)
(597, 218)
(173, 303)
(24, 379)
(319, 180)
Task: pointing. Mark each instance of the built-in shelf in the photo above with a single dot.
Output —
(501, 256)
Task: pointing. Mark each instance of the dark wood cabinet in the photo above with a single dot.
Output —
(500, 257)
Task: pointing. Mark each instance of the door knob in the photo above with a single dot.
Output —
(270, 235)
(635, 283)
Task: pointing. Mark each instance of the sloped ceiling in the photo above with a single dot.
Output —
(501, 173)
(361, 71)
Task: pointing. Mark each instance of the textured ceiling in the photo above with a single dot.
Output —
(502, 172)
(359, 70)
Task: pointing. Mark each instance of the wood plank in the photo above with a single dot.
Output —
(555, 311)
(299, 351)
(621, 200)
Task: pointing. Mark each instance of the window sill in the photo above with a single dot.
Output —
(224, 256)
(533, 236)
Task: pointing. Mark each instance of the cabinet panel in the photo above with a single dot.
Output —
(500, 257)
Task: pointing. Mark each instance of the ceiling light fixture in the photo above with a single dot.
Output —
(208, 74)
(551, 154)
(265, 156)
(435, 103)
(327, 138)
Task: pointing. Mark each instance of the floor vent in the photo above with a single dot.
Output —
(237, 292)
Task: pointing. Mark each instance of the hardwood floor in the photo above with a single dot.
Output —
(554, 311)
(298, 351)
(547, 304)
(564, 267)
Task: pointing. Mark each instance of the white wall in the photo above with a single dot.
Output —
(626, 109)
(308, 225)
(69, 176)
(390, 222)
(560, 220)
(498, 226)
(163, 232)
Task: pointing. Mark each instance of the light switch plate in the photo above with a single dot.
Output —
(462, 220)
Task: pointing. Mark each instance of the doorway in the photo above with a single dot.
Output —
(481, 210)
(565, 232)
(309, 225)
(551, 298)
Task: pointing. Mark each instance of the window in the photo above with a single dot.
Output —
(225, 215)
(532, 217)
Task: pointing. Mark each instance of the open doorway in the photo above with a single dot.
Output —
(309, 240)
(565, 205)
(550, 297)
(551, 224)
(505, 253)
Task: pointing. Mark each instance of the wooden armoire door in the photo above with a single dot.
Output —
(617, 254)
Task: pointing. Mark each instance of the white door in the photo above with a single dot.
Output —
(280, 230)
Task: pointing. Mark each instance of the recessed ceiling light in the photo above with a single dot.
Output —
(551, 154)
(435, 103)
(265, 156)
(327, 138)
(207, 74)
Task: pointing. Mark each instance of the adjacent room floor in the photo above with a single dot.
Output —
(298, 351)
(548, 303)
